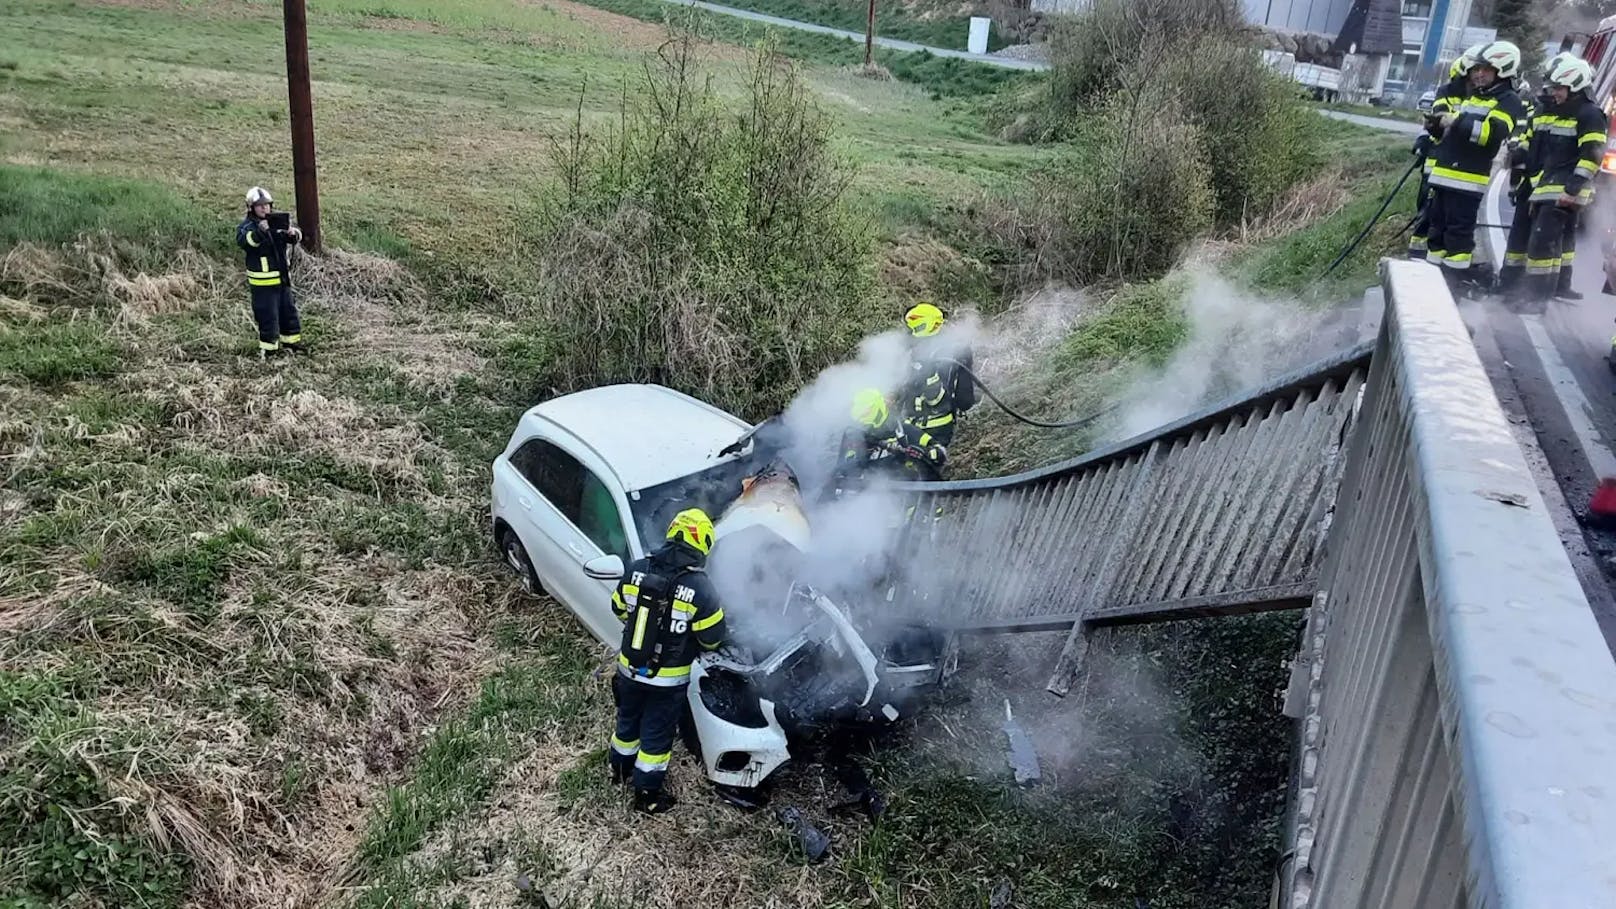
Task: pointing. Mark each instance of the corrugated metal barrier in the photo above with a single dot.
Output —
(1457, 700)
(1222, 511)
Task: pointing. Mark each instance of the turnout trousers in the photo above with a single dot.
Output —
(1520, 231)
(647, 719)
(1551, 250)
(1452, 229)
(276, 314)
(1419, 240)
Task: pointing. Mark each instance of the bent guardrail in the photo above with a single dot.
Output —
(1457, 700)
(1224, 508)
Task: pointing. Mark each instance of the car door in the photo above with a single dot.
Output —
(572, 518)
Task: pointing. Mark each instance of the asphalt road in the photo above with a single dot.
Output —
(1552, 376)
(1390, 124)
(892, 43)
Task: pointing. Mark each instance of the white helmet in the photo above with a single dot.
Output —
(1571, 72)
(1462, 64)
(1502, 56)
(258, 194)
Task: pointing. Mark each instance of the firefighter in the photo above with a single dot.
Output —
(1522, 167)
(937, 390)
(1446, 97)
(269, 279)
(881, 438)
(1472, 132)
(1571, 138)
(670, 613)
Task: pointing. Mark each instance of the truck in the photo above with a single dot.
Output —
(1323, 81)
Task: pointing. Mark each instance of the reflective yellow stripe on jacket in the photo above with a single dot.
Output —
(264, 276)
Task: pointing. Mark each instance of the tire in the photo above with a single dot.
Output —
(516, 557)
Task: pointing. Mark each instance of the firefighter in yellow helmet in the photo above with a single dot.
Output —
(879, 439)
(670, 613)
(936, 390)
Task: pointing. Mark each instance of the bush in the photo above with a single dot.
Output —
(701, 248)
(1125, 198)
(1122, 45)
(1258, 138)
(1254, 131)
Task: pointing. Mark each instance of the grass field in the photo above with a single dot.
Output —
(433, 120)
(254, 648)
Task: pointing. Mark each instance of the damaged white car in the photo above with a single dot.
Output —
(580, 491)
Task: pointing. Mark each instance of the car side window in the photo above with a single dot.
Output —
(600, 520)
(575, 491)
(553, 473)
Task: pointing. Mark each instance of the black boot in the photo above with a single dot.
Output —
(1562, 286)
(621, 773)
(653, 801)
(1479, 278)
(1535, 293)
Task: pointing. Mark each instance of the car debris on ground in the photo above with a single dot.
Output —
(1023, 759)
(810, 839)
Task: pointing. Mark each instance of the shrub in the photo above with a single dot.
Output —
(1122, 45)
(702, 248)
(1258, 138)
(1123, 200)
(1255, 134)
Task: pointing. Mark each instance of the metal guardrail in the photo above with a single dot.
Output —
(1457, 701)
(1217, 513)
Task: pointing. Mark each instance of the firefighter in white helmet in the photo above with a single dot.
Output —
(1471, 134)
(265, 238)
(1567, 147)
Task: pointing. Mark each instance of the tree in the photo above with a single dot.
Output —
(1525, 23)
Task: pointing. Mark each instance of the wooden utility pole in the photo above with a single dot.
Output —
(869, 38)
(301, 100)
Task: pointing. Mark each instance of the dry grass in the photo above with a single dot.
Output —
(174, 541)
(1307, 203)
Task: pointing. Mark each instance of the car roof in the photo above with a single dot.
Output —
(646, 434)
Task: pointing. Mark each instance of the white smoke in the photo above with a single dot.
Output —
(1238, 341)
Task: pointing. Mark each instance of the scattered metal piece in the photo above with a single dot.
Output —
(868, 801)
(1003, 891)
(814, 844)
(1023, 759)
(746, 799)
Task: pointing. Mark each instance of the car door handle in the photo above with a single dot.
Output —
(576, 549)
(525, 502)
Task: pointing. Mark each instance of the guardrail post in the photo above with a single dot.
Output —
(1077, 643)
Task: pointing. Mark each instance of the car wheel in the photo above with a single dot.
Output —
(516, 557)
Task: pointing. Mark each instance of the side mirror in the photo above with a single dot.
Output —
(605, 568)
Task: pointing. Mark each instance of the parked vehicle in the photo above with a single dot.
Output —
(581, 491)
(1324, 81)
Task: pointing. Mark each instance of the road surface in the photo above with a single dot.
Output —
(1390, 124)
(891, 43)
(1552, 375)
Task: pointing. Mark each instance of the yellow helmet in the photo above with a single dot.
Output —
(924, 320)
(694, 528)
(870, 407)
